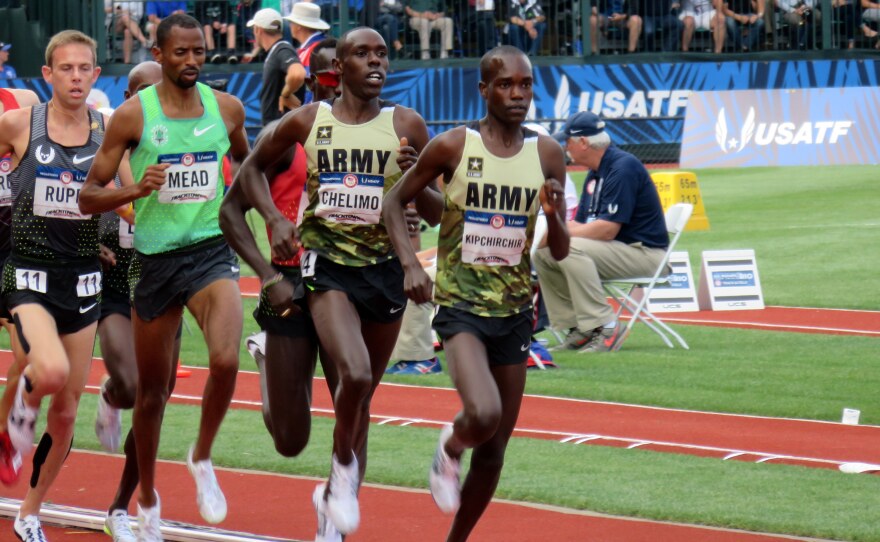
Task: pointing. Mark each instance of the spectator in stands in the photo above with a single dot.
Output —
(388, 24)
(661, 17)
(527, 25)
(6, 71)
(308, 29)
(156, 11)
(745, 23)
(871, 15)
(479, 21)
(702, 15)
(804, 20)
(619, 231)
(618, 14)
(125, 18)
(283, 74)
(216, 16)
(246, 10)
(425, 16)
(849, 13)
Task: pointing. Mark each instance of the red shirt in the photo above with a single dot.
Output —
(288, 192)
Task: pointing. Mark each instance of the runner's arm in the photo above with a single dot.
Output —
(429, 202)
(121, 132)
(552, 196)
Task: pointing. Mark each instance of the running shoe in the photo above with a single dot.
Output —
(428, 366)
(444, 476)
(326, 530)
(212, 503)
(149, 526)
(256, 344)
(28, 529)
(10, 460)
(575, 340)
(342, 503)
(117, 524)
(108, 422)
(22, 421)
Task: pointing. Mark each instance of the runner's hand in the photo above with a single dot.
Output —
(107, 257)
(418, 286)
(153, 179)
(280, 296)
(413, 220)
(406, 155)
(285, 240)
(553, 198)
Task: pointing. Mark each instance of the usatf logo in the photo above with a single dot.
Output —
(188, 159)
(475, 167)
(778, 133)
(350, 180)
(66, 177)
(5, 166)
(497, 222)
(159, 136)
(325, 135)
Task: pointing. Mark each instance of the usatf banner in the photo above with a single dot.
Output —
(646, 102)
(822, 126)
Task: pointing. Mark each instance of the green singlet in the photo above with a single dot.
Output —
(185, 210)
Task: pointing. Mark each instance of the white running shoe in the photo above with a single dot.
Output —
(28, 528)
(256, 343)
(444, 476)
(149, 526)
(212, 503)
(22, 421)
(342, 503)
(117, 524)
(326, 530)
(108, 422)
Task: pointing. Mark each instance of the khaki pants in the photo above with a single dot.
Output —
(424, 28)
(572, 289)
(415, 341)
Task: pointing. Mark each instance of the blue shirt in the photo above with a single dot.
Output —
(7, 72)
(164, 9)
(621, 191)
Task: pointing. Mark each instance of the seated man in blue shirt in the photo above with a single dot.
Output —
(156, 11)
(619, 231)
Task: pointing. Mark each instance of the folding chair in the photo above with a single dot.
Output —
(635, 299)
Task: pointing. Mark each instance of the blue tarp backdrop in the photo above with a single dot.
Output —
(653, 96)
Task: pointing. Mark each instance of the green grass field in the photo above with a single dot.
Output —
(816, 233)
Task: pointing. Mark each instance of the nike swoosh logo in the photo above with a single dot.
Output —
(83, 310)
(235, 269)
(524, 348)
(398, 309)
(77, 160)
(198, 132)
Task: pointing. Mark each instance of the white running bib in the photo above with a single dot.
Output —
(126, 234)
(350, 198)
(88, 285)
(493, 238)
(31, 279)
(307, 263)
(56, 193)
(192, 177)
(5, 184)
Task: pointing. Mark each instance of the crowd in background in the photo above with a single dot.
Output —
(425, 29)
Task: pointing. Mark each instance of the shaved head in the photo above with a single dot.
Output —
(493, 60)
(144, 75)
(351, 37)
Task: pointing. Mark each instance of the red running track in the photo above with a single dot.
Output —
(280, 506)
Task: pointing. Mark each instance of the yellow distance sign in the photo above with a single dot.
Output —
(681, 187)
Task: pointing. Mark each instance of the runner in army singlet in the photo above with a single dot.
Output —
(497, 175)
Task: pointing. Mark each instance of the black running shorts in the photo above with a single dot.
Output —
(296, 325)
(375, 290)
(70, 292)
(159, 281)
(507, 339)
